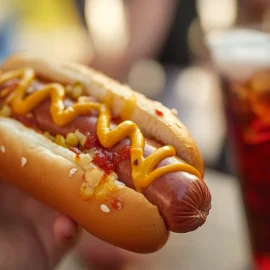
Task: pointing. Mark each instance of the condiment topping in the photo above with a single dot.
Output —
(108, 161)
(143, 169)
(117, 203)
(159, 112)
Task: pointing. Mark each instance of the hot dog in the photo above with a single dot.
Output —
(122, 166)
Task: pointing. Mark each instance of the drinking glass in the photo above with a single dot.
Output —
(241, 56)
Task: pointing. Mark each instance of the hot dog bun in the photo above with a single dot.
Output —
(42, 168)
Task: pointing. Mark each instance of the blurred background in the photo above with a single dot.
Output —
(157, 47)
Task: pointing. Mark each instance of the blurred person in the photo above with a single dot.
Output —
(148, 24)
(159, 29)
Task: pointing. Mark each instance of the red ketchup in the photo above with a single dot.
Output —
(104, 158)
(107, 160)
(159, 113)
(117, 203)
(91, 141)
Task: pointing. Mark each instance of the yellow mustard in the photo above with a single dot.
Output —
(143, 169)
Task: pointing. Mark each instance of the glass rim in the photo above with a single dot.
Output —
(239, 51)
(215, 37)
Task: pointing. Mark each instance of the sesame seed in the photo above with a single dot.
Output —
(174, 111)
(3, 149)
(23, 161)
(104, 208)
(72, 171)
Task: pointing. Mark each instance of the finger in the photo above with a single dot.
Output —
(102, 255)
(65, 231)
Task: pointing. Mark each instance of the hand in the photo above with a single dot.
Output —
(97, 254)
(32, 236)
